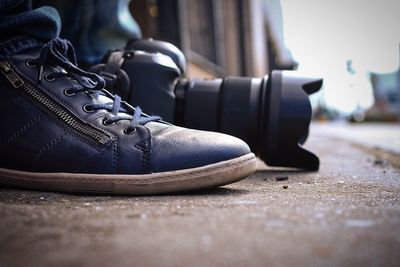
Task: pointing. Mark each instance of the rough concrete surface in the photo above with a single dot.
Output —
(347, 214)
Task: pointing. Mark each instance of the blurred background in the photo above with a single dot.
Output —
(354, 45)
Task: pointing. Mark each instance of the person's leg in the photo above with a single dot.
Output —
(22, 28)
(94, 26)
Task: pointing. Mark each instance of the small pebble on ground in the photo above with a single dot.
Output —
(379, 162)
(281, 178)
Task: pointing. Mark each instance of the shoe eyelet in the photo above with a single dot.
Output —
(129, 131)
(29, 64)
(87, 109)
(49, 78)
(69, 92)
(106, 122)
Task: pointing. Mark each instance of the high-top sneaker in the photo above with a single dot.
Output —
(60, 130)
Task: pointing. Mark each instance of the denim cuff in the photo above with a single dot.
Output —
(42, 23)
(17, 45)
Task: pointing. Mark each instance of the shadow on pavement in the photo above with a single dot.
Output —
(15, 195)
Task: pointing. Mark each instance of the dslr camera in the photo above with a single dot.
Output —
(271, 114)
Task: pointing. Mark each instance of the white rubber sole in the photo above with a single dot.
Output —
(212, 175)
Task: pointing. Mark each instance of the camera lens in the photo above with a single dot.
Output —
(271, 114)
(230, 105)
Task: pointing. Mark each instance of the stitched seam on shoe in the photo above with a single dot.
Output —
(92, 158)
(11, 100)
(144, 146)
(47, 147)
(69, 132)
(150, 146)
(115, 156)
(20, 131)
(63, 103)
(146, 157)
(155, 179)
(55, 120)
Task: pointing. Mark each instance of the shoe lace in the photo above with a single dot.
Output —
(60, 52)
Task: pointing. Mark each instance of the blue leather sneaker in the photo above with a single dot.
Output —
(60, 130)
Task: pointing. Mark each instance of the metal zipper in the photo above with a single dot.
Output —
(51, 105)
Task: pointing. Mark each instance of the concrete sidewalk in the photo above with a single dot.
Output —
(347, 214)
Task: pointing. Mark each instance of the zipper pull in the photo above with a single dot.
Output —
(10, 74)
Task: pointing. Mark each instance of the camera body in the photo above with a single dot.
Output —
(272, 114)
(146, 80)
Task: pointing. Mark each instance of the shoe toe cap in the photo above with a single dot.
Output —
(176, 148)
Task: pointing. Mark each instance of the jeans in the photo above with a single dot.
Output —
(22, 28)
(17, 19)
(93, 26)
